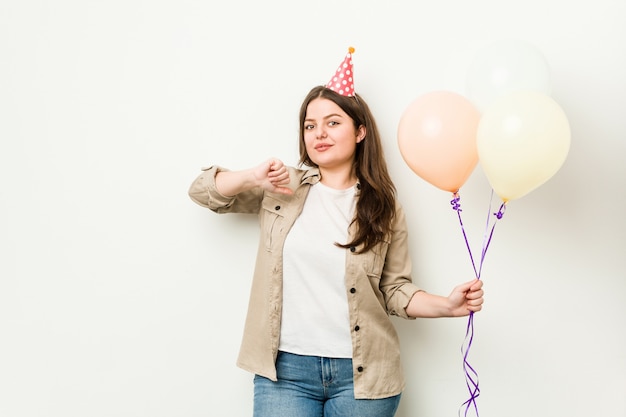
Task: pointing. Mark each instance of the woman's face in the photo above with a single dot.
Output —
(329, 135)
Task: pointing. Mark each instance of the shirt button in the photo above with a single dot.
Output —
(360, 369)
(357, 328)
(352, 290)
(277, 208)
(352, 249)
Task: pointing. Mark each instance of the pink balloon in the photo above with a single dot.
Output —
(437, 138)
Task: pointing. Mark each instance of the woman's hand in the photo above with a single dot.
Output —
(272, 175)
(466, 297)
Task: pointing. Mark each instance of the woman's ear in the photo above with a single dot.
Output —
(360, 134)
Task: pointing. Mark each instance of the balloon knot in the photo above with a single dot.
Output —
(501, 211)
(456, 203)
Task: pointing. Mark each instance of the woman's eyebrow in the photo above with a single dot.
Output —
(325, 117)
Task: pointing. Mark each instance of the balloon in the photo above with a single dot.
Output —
(504, 67)
(523, 139)
(437, 138)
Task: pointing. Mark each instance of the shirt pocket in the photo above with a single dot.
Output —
(374, 261)
(272, 216)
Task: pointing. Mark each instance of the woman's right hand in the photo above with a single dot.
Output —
(272, 175)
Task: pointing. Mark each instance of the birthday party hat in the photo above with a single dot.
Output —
(342, 81)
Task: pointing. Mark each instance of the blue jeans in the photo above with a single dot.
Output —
(310, 386)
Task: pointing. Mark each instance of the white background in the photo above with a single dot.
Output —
(121, 297)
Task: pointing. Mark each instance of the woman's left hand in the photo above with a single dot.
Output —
(466, 297)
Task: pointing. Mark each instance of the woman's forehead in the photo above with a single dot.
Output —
(322, 107)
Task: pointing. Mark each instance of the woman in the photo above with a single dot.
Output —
(333, 263)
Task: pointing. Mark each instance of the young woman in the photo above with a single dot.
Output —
(333, 263)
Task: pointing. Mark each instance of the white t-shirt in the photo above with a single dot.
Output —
(315, 318)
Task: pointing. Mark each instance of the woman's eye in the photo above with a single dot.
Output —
(333, 123)
(308, 127)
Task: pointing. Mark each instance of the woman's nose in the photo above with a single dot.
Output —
(320, 132)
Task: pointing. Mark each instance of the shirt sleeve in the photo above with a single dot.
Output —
(396, 282)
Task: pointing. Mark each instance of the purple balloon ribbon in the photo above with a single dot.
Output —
(471, 376)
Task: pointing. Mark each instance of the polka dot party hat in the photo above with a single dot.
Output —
(342, 81)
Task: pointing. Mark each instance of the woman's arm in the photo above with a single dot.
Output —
(271, 175)
(463, 299)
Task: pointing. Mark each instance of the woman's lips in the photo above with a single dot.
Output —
(322, 147)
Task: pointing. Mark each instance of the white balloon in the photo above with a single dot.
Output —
(504, 67)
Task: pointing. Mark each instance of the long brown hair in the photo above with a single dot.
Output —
(376, 206)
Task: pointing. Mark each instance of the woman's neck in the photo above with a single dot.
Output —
(339, 180)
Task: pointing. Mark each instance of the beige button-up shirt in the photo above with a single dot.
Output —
(378, 284)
